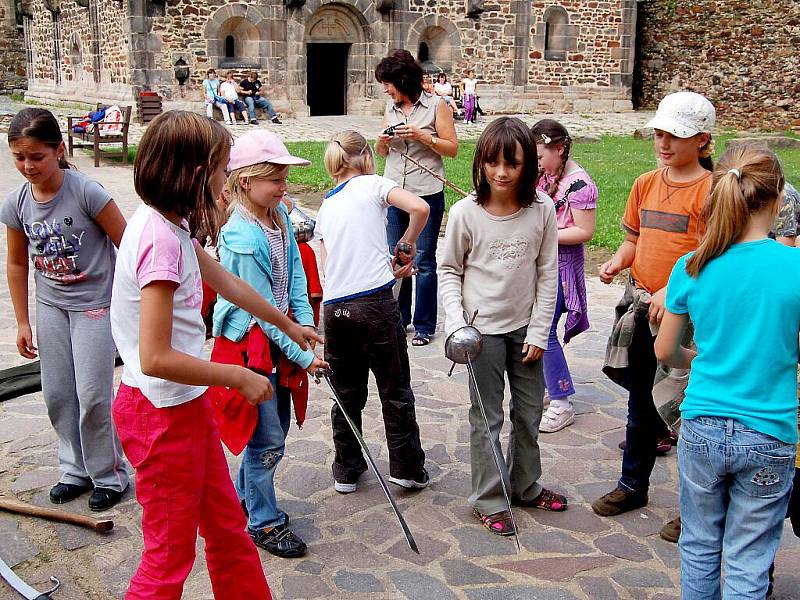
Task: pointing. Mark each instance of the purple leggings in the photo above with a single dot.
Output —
(469, 108)
(557, 379)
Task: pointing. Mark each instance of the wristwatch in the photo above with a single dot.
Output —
(434, 139)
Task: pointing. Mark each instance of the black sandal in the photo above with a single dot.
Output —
(421, 339)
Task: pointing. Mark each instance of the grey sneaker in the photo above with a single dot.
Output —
(411, 484)
(344, 488)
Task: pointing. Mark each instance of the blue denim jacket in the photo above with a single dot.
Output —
(244, 251)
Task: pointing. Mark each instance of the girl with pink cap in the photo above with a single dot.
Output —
(257, 245)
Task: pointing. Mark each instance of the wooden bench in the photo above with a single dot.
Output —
(94, 140)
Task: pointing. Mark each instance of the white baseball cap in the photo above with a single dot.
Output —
(684, 114)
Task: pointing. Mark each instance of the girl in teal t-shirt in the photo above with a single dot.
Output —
(737, 444)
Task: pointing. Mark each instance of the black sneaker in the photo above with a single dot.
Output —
(280, 541)
(413, 484)
(104, 498)
(276, 120)
(253, 121)
(61, 493)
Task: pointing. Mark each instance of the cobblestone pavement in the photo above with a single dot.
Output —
(355, 548)
(322, 128)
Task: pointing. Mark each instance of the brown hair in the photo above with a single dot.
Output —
(177, 153)
(403, 72)
(501, 136)
(747, 179)
(40, 125)
(349, 150)
(547, 132)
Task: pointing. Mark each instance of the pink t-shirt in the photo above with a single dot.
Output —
(155, 249)
(575, 190)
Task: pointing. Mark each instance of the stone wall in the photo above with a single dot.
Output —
(90, 38)
(743, 54)
(12, 51)
(503, 40)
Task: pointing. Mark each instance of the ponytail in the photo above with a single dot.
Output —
(747, 180)
(706, 152)
(349, 151)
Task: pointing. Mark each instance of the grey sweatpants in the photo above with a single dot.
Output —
(502, 354)
(77, 360)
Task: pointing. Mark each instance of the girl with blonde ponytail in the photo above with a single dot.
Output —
(738, 439)
(363, 327)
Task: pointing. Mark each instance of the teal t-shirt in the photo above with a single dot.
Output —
(745, 307)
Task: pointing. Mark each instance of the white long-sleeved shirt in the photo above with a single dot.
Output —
(505, 267)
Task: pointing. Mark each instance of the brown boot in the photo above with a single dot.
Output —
(671, 530)
(618, 501)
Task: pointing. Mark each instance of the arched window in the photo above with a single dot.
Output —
(556, 33)
(238, 43)
(424, 53)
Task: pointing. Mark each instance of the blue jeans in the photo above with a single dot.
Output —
(259, 102)
(426, 299)
(734, 489)
(255, 482)
(557, 378)
(237, 106)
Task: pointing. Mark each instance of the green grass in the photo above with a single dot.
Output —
(614, 163)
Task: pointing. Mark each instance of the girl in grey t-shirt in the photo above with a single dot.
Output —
(66, 226)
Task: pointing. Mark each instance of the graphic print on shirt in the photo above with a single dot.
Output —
(509, 252)
(56, 250)
(669, 222)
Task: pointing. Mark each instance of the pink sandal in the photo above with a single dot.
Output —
(498, 523)
(548, 500)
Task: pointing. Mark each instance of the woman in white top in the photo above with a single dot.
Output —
(443, 88)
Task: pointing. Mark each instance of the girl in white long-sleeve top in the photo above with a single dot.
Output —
(501, 258)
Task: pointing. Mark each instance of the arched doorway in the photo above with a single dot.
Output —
(334, 44)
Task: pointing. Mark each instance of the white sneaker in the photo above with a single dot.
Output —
(411, 484)
(554, 419)
(344, 488)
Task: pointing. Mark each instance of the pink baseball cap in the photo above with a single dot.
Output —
(260, 146)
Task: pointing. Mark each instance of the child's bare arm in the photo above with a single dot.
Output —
(583, 229)
(242, 294)
(622, 259)
(112, 222)
(17, 273)
(416, 208)
(668, 343)
(158, 358)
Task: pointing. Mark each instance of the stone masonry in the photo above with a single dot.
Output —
(12, 51)
(742, 54)
(529, 54)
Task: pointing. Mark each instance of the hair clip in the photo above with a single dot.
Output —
(545, 138)
(736, 172)
(340, 144)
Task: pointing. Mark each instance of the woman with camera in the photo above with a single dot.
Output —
(417, 127)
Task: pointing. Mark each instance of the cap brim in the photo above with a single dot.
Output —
(671, 126)
(290, 160)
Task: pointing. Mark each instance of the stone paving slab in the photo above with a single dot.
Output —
(322, 128)
(355, 548)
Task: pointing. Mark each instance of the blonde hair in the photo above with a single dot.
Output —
(349, 150)
(237, 194)
(747, 179)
